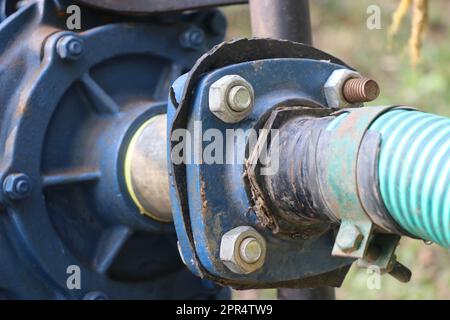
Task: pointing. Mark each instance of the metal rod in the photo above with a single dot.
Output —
(281, 19)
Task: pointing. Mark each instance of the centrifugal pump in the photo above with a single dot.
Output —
(152, 166)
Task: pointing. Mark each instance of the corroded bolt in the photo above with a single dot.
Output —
(351, 238)
(250, 250)
(17, 186)
(357, 90)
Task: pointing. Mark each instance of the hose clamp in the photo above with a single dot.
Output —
(339, 179)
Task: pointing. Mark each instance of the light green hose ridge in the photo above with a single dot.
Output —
(414, 172)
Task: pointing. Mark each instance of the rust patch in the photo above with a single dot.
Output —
(203, 195)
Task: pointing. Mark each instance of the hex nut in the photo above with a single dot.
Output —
(243, 250)
(334, 87)
(70, 47)
(17, 186)
(351, 239)
(231, 98)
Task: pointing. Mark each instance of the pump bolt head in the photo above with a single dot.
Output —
(351, 239)
(70, 47)
(17, 186)
(231, 98)
(243, 250)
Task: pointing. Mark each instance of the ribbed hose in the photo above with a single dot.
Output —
(414, 172)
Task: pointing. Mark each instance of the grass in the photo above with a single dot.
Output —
(339, 27)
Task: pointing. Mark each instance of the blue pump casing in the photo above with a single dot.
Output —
(63, 124)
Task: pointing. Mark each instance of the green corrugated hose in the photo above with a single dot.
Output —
(414, 172)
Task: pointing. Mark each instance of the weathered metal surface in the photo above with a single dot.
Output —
(339, 178)
(288, 214)
(236, 51)
(156, 6)
(202, 214)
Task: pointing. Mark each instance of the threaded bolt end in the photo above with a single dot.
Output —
(250, 250)
(359, 90)
(239, 98)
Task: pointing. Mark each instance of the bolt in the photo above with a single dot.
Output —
(17, 186)
(231, 98)
(192, 38)
(250, 250)
(358, 90)
(350, 239)
(243, 250)
(239, 98)
(70, 47)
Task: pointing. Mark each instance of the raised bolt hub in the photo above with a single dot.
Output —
(17, 186)
(70, 47)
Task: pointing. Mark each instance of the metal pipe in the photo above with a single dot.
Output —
(409, 179)
(281, 19)
(146, 173)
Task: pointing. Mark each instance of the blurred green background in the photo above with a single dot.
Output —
(339, 28)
